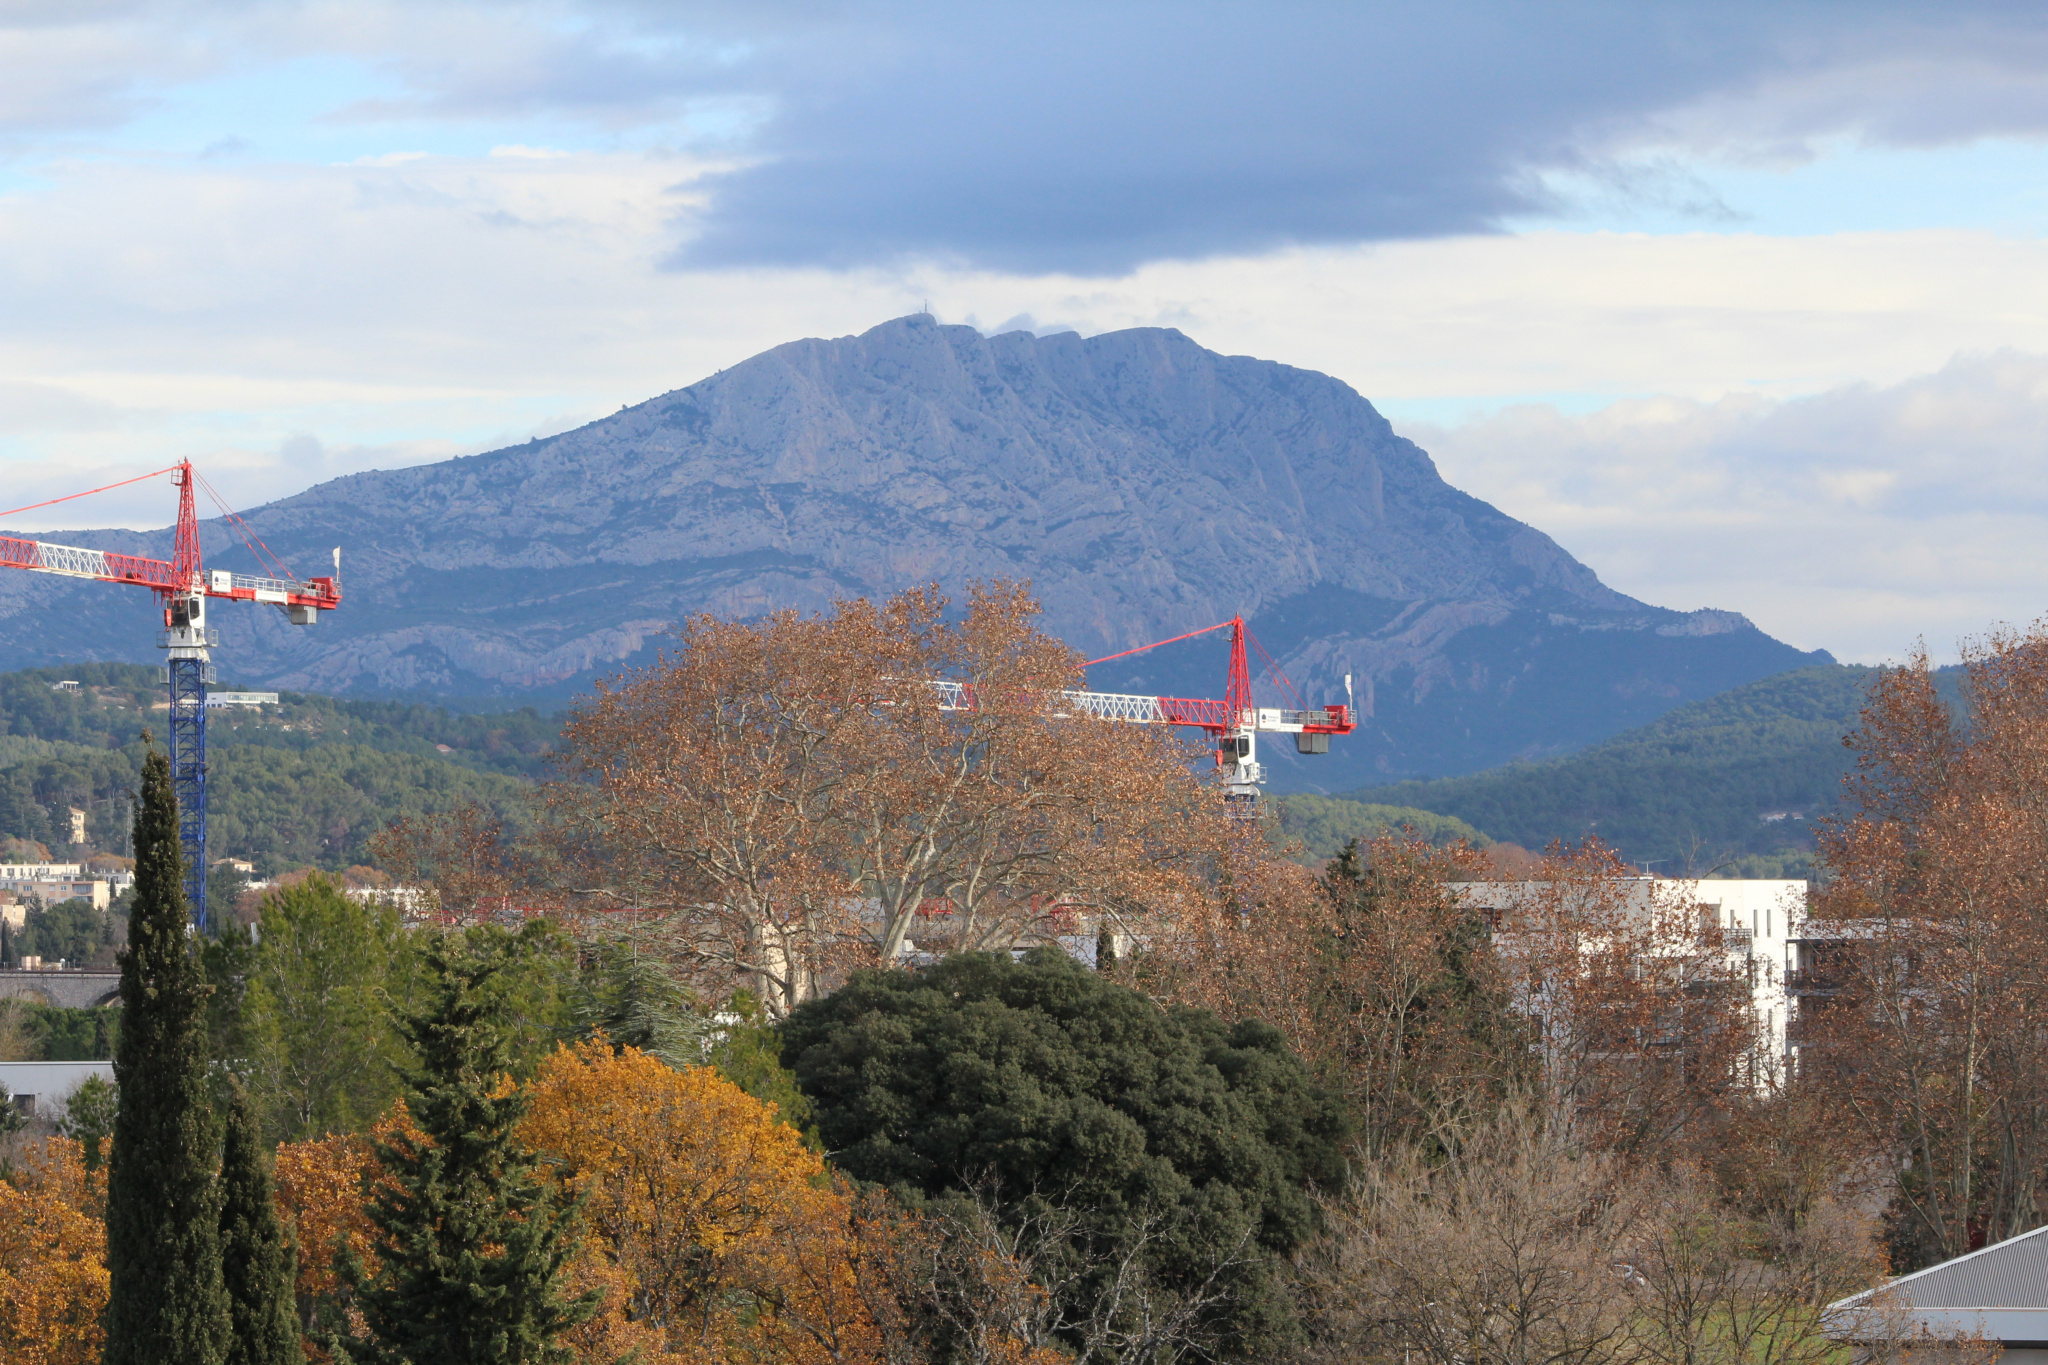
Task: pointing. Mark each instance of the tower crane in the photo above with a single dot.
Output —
(183, 586)
(1233, 723)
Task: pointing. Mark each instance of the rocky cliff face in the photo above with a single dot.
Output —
(1145, 485)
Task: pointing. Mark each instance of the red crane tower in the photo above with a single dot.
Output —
(183, 586)
(1233, 722)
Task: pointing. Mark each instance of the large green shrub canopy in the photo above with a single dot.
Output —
(1046, 1082)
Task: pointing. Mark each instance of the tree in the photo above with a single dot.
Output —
(89, 1113)
(1922, 1021)
(472, 1243)
(1642, 1019)
(689, 1181)
(53, 1275)
(327, 971)
(167, 1301)
(1380, 974)
(1511, 1241)
(749, 1054)
(319, 1188)
(799, 798)
(1039, 1085)
(631, 998)
(257, 1263)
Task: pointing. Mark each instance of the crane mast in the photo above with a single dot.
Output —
(187, 641)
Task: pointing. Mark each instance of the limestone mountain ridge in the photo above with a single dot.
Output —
(1145, 486)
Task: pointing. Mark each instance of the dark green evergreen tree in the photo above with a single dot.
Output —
(167, 1302)
(474, 1243)
(632, 999)
(256, 1259)
(1167, 1142)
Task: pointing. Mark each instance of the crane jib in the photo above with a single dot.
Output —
(1204, 713)
(108, 566)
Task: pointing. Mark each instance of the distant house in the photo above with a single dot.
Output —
(40, 1089)
(1998, 1296)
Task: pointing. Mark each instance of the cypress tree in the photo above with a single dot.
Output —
(473, 1243)
(256, 1260)
(166, 1302)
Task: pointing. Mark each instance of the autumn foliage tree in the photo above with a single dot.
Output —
(688, 1180)
(1924, 1019)
(1426, 993)
(1379, 973)
(800, 798)
(53, 1248)
(1643, 1021)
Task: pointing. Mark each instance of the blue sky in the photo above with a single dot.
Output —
(1746, 304)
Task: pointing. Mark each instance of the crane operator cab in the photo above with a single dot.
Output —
(1236, 755)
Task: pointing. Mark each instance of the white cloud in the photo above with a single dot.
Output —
(1856, 519)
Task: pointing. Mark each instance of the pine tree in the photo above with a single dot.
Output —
(257, 1262)
(167, 1302)
(473, 1244)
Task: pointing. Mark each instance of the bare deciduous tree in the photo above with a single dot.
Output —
(1503, 1252)
(1923, 1024)
(797, 796)
(1520, 1245)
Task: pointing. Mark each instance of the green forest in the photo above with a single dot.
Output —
(305, 782)
(1730, 785)
(1324, 824)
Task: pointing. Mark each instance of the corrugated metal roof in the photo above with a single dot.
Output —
(2008, 1274)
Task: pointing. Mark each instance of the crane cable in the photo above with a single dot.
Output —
(87, 493)
(1272, 666)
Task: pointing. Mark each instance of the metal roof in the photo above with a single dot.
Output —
(2000, 1291)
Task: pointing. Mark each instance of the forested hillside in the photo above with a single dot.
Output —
(1734, 781)
(307, 781)
(1324, 824)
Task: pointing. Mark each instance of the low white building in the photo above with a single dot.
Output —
(29, 872)
(40, 1089)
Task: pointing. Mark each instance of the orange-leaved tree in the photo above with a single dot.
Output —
(696, 1192)
(1380, 974)
(1923, 1007)
(797, 795)
(53, 1247)
(319, 1186)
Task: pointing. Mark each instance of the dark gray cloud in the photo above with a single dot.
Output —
(1094, 138)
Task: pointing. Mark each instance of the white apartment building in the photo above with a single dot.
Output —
(1761, 921)
(30, 872)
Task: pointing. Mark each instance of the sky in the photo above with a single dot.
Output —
(1744, 304)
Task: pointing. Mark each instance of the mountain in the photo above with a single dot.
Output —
(1146, 486)
(1736, 779)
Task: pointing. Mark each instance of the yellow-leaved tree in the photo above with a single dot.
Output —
(713, 1211)
(53, 1250)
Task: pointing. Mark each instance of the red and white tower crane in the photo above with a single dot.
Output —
(1234, 723)
(183, 586)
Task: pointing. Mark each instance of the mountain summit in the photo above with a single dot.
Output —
(1146, 486)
